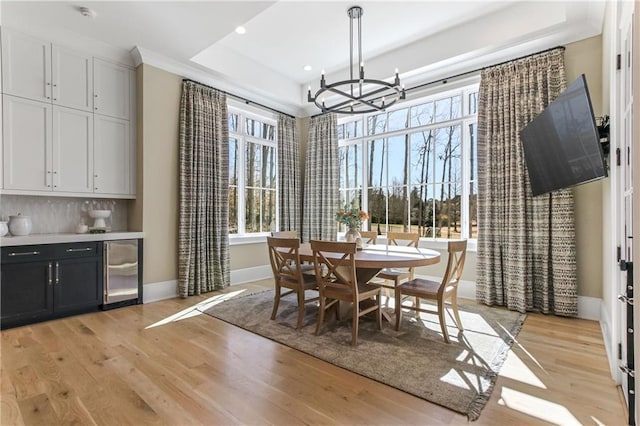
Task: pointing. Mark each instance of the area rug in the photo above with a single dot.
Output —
(460, 375)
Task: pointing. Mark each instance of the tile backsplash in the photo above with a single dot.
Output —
(50, 215)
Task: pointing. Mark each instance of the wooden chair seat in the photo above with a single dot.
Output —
(447, 289)
(421, 287)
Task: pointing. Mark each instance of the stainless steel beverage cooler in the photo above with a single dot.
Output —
(120, 273)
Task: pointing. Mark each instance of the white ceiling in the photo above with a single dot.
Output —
(424, 39)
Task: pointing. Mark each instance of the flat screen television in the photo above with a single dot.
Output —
(562, 144)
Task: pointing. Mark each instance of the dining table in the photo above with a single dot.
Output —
(375, 257)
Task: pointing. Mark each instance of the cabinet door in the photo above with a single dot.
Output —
(112, 89)
(112, 155)
(72, 79)
(77, 284)
(72, 150)
(27, 292)
(26, 66)
(27, 144)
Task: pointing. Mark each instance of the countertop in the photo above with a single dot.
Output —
(9, 240)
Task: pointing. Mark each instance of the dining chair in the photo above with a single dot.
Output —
(307, 268)
(336, 278)
(407, 239)
(369, 237)
(288, 274)
(420, 288)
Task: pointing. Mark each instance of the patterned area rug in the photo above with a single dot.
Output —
(459, 376)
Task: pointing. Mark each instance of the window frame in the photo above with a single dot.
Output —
(245, 112)
(464, 89)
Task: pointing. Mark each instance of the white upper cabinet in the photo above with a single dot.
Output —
(72, 150)
(68, 121)
(111, 89)
(112, 156)
(27, 144)
(72, 80)
(35, 69)
(26, 66)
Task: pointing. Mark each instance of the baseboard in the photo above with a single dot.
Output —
(606, 327)
(247, 275)
(588, 307)
(154, 292)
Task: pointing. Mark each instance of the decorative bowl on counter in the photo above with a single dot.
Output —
(99, 216)
(19, 225)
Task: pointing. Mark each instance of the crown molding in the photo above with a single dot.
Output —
(142, 55)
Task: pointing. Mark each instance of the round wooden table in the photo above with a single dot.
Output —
(373, 258)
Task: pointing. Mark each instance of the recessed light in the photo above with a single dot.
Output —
(240, 29)
(307, 68)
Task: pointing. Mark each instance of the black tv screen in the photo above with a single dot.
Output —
(561, 144)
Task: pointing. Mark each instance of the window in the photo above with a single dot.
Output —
(414, 167)
(252, 173)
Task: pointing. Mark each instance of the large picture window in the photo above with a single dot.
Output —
(414, 168)
(252, 173)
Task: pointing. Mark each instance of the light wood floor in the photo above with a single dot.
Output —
(162, 363)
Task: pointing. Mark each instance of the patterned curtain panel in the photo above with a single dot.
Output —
(321, 185)
(526, 245)
(203, 229)
(289, 185)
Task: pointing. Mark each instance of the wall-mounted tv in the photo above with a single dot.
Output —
(562, 144)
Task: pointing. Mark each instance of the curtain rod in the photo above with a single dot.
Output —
(245, 100)
(462, 74)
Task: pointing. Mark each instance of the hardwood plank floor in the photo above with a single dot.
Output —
(164, 363)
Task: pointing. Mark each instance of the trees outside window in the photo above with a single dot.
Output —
(252, 173)
(414, 168)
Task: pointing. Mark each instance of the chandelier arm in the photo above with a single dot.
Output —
(355, 99)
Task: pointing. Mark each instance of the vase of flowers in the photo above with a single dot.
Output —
(352, 218)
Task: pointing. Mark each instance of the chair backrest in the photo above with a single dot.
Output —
(369, 237)
(408, 239)
(285, 234)
(455, 264)
(285, 259)
(335, 265)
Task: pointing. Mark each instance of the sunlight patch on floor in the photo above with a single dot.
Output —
(454, 378)
(536, 407)
(197, 309)
(513, 368)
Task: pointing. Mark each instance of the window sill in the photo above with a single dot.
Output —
(239, 240)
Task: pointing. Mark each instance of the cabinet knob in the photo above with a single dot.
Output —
(95, 175)
(55, 99)
(55, 85)
(55, 173)
(48, 97)
(96, 108)
(48, 84)
(95, 95)
(48, 172)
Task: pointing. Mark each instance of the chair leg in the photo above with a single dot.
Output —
(276, 302)
(443, 320)
(398, 297)
(320, 315)
(355, 321)
(454, 305)
(300, 308)
(417, 306)
(379, 311)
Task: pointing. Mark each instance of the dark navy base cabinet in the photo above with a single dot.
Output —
(47, 281)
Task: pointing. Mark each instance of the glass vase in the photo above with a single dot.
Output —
(353, 236)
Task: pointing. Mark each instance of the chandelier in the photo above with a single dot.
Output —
(349, 96)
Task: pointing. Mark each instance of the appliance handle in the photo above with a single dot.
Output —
(105, 273)
(77, 250)
(26, 253)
